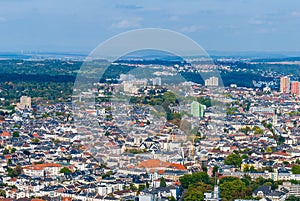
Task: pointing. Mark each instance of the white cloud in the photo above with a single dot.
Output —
(192, 28)
(173, 18)
(265, 30)
(259, 22)
(296, 14)
(230, 26)
(2, 19)
(129, 6)
(128, 23)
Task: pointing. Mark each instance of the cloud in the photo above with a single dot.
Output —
(296, 14)
(129, 6)
(229, 26)
(192, 28)
(256, 21)
(173, 18)
(128, 23)
(265, 30)
(2, 19)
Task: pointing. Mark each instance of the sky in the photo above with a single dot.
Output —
(80, 25)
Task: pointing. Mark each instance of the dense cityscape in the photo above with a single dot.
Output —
(138, 100)
(207, 142)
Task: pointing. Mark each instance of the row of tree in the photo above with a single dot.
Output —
(231, 188)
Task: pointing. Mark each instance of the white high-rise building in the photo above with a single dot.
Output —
(25, 102)
(212, 81)
(156, 81)
(126, 77)
(133, 86)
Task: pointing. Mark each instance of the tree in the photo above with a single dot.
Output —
(141, 187)
(5, 151)
(19, 170)
(35, 140)
(65, 170)
(169, 97)
(195, 192)
(269, 150)
(227, 179)
(108, 174)
(193, 195)
(14, 172)
(215, 170)
(2, 193)
(163, 182)
(133, 187)
(16, 134)
(234, 159)
(293, 198)
(204, 101)
(285, 162)
(296, 169)
(268, 183)
(247, 180)
(245, 129)
(252, 169)
(13, 150)
(257, 130)
(231, 190)
(249, 168)
(171, 198)
(231, 111)
(194, 178)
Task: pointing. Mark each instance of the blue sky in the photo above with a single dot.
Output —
(80, 25)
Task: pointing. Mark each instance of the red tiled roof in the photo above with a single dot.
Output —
(177, 183)
(42, 166)
(177, 166)
(35, 135)
(155, 163)
(5, 134)
(63, 149)
(14, 179)
(66, 199)
(281, 153)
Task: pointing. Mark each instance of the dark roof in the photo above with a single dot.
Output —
(264, 189)
(276, 193)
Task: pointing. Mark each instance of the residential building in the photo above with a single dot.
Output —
(25, 102)
(212, 81)
(285, 84)
(295, 88)
(197, 109)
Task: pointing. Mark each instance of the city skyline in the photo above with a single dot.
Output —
(149, 100)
